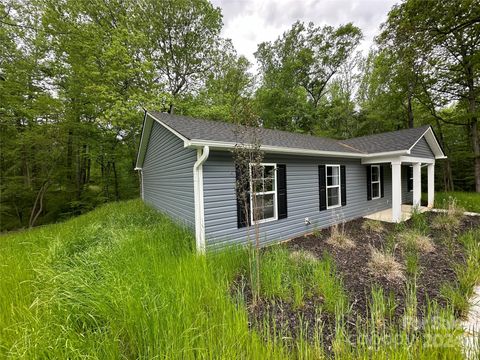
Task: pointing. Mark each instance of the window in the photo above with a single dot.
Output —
(333, 186)
(410, 178)
(375, 176)
(263, 192)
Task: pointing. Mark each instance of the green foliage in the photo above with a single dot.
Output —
(296, 70)
(420, 222)
(468, 276)
(293, 276)
(469, 201)
(121, 281)
(124, 281)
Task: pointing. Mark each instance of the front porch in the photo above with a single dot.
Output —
(398, 211)
(386, 215)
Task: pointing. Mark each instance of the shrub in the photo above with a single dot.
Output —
(339, 238)
(373, 226)
(384, 264)
(414, 240)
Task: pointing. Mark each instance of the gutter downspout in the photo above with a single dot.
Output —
(202, 156)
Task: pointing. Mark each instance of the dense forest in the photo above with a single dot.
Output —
(75, 76)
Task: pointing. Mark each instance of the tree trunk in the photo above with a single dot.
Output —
(447, 173)
(476, 152)
(115, 181)
(473, 123)
(38, 202)
(410, 112)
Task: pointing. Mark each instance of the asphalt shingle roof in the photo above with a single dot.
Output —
(389, 141)
(198, 129)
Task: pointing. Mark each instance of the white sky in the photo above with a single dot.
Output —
(250, 22)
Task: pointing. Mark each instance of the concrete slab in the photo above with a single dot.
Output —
(386, 215)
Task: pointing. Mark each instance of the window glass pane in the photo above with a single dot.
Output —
(263, 207)
(257, 185)
(268, 212)
(375, 190)
(374, 173)
(332, 175)
(269, 171)
(269, 184)
(332, 195)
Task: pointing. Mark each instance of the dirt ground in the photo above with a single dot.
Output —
(436, 268)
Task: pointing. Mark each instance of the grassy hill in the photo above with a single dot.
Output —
(124, 282)
(121, 281)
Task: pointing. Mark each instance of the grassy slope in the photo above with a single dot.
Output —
(119, 281)
(124, 282)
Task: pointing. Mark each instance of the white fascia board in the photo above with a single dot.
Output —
(184, 139)
(397, 159)
(146, 130)
(141, 146)
(220, 145)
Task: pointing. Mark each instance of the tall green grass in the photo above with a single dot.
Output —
(121, 282)
(125, 282)
(470, 201)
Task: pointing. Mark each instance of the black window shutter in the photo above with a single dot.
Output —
(243, 196)
(369, 182)
(322, 187)
(382, 188)
(409, 176)
(282, 191)
(343, 184)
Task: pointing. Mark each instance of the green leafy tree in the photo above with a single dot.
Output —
(445, 38)
(183, 41)
(296, 69)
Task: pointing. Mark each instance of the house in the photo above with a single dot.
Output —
(187, 171)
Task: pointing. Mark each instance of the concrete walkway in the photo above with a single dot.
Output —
(471, 326)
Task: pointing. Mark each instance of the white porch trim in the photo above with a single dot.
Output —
(417, 184)
(431, 184)
(396, 164)
(396, 191)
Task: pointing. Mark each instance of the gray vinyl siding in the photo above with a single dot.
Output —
(168, 176)
(302, 198)
(422, 149)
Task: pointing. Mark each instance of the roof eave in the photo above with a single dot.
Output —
(220, 145)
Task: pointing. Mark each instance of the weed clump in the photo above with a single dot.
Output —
(384, 265)
(451, 219)
(414, 240)
(373, 226)
(339, 238)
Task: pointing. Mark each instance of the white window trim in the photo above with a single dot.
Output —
(339, 186)
(411, 179)
(379, 182)
(275, 192)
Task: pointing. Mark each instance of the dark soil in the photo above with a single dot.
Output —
(436, 268)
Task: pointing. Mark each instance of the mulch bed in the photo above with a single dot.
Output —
(436, 268)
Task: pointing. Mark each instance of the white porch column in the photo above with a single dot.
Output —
(396, 191)
(417, 184)
(431, 184)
